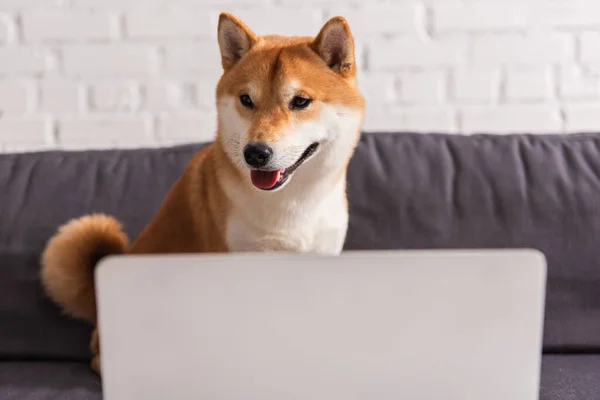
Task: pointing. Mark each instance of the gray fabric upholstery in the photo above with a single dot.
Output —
(446, 191)
(570, 377)
(31, 326)
(39, 192)
(48, 381)
(575, 377)
(406, 191)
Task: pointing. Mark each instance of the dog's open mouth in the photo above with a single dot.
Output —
(271, 180)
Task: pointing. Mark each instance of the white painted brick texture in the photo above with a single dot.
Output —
(68, 26)
(529, 84)
(173, 24)
(126, 73)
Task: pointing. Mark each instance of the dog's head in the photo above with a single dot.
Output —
(287, 102)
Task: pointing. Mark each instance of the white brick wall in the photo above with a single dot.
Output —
(123, 73)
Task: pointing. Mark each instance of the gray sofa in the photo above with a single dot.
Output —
(406, 191)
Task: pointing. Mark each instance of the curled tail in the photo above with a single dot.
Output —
(69, 259)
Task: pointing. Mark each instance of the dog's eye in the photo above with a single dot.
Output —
(246, 101)
(298, 103)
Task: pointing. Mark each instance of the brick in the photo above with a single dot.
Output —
(403, 19)
(108, 130)
(479, 16)
(20, 148)
(529, 84)
(377, 120)
(360, 56)
(114, 5)
(415, 53)
(589, 45)
(315, 2)
(433, 119)
(171, 24)
(187, 128)
(53, 26)
(422, 87)
(4, 32)
(16, 97)
(576, 84)
(24, 60)
(114, 96)
(169, 95)
(205, 92)
(7, 28)
(378, 89)
(28, 4)
(414, 119)
(156, 4)
(61, 96)
(511, 119)
(566, 13)
(24, 132)
(476, 85)
(199, 58)
(108, 59)
(582, 118)
(281, 21)
(514, 49)
(229, 5)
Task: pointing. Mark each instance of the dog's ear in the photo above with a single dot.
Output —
(335, 45)
(235, 39)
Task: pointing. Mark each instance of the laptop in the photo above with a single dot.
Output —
(391, 325)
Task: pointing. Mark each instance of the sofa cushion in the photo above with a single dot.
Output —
(31, 326)
(48, 380)
(39, 192)
(406, 191)
(570, 377)
(448, 191)
(563, 378)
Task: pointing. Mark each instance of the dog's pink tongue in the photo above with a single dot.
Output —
(264, 179)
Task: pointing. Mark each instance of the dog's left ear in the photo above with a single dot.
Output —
(335, 45)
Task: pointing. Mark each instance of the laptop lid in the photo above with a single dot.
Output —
(361, 326)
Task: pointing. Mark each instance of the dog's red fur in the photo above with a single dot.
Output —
(193, 216)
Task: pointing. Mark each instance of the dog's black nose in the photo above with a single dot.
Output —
(257, 154)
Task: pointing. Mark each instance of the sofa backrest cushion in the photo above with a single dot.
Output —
(39, 192)
(414, 191)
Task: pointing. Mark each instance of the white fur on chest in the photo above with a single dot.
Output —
(299, 225)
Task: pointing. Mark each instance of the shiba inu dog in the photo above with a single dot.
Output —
(289, 119)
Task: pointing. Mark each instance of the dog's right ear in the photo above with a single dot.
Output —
(235, 39)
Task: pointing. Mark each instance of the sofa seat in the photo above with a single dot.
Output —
(570, 377)
(35, 380)
(564, 377)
